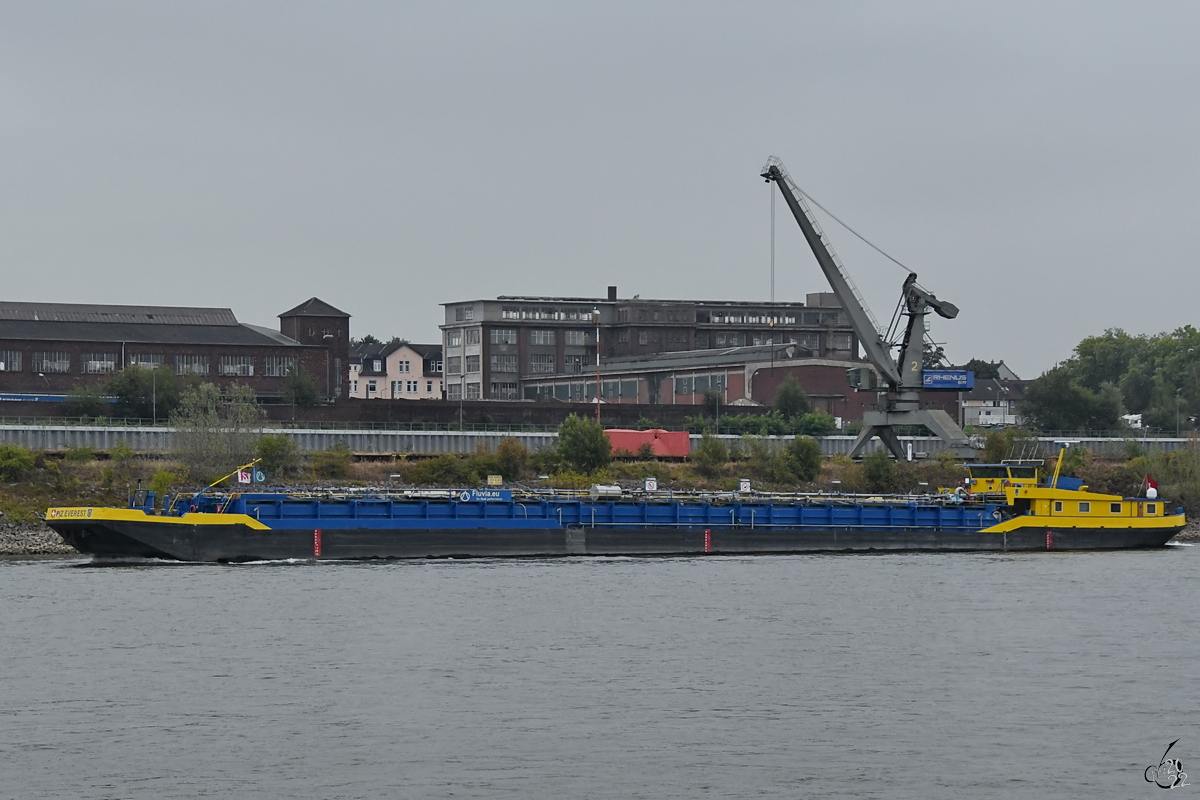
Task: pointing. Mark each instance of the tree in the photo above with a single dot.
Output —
(366, 340)
(984, 370)
(1058, 402)
(144, 393)
(933, 356)
(790, 399)
(582, 444)
(710, 456)
(817, 423)
(215, 432)
(300, 388)
(85, 401)
(804, 457)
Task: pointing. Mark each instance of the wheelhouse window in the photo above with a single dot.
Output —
(1085, 508)
(1151, 508)
(1058, 506)
(1114, 508)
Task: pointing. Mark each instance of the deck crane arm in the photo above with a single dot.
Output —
(868, 333)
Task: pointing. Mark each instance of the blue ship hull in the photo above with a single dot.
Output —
(270, 527)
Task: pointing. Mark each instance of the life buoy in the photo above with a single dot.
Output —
(192, 508)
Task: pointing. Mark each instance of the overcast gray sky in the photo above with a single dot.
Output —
(1036, 163)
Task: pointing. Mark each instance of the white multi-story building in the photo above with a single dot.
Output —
(396, 370)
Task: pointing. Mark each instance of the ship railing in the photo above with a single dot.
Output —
(628, 496)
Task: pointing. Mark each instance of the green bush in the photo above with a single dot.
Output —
(773, 423)
(513, 458)
(879, 471)
(15, 462)
(445, 470)
(334, 462)
(85, 401)
(582, 444)
(121, 453)
(710, 456)
(278, 453)
(804, 457)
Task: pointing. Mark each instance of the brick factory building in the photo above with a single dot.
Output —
(510, 347)
(51, 348)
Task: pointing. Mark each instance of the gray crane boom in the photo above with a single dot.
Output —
(904, 379)
(868, 332)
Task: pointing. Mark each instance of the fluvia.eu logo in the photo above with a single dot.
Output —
(1169, 773)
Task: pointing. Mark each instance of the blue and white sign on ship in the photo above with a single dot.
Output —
(485, 496)
(960, 379)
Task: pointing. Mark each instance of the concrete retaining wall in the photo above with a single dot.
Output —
(152, 440)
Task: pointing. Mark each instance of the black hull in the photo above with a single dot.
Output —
(232, 543)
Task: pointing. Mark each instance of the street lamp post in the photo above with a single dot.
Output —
(599, 393)
(325, 337)
(1178, 393)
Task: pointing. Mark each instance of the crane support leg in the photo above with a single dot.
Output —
(886, 435)
(939, 423)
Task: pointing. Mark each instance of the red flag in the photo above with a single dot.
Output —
(1151, 483)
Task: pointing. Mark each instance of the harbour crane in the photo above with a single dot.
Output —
(902, 375)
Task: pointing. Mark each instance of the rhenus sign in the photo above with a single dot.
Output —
(958, 379)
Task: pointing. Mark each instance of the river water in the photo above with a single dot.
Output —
(899, 676)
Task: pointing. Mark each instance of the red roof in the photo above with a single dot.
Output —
(676, 444)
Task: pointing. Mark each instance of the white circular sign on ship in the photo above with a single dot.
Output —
(464, 496)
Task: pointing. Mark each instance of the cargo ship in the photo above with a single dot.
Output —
(999, 507)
